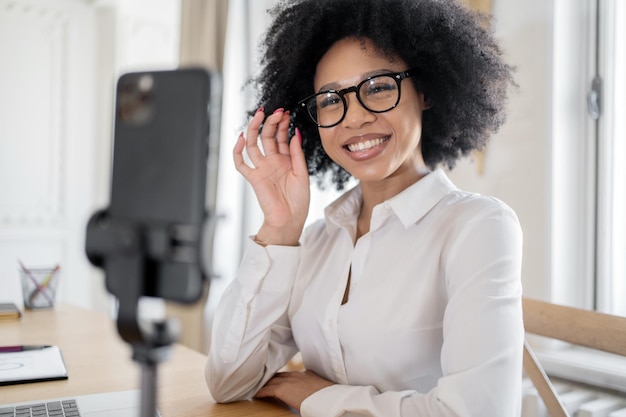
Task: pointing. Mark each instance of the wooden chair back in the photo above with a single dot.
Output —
(587, 328)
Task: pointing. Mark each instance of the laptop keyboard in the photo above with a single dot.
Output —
(65, 408)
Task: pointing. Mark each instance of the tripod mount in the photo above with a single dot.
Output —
(138, 260)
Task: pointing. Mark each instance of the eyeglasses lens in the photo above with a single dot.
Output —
(378, 94)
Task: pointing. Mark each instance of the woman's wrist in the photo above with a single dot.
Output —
(281, 237)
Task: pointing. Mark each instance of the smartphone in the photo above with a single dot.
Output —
(164, 175)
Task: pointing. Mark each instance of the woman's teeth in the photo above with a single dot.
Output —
(362, 146)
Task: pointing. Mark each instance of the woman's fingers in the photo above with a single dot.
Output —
(297, 155)
(293, 388)
(240, 163)
(251, 142)
(274, 133)
(282, 134)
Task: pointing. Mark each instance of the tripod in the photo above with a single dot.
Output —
(129, 254)
(149, 240)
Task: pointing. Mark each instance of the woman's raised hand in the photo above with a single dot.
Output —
(278, 175)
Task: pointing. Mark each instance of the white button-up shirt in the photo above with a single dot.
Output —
(433, 323)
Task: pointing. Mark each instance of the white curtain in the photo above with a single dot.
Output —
(202, 43)
(235, 202)
(203, 32)
(223, 35)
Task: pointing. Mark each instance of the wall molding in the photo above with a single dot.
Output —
(33, 146)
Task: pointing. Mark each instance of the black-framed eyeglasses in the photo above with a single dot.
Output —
(378, 94)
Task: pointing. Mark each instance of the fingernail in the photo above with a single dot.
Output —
(278, 110)
(299, 134)
(240, 136)
(260, 109)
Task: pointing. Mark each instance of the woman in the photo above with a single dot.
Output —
(406, 299)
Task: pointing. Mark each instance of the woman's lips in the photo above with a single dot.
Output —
(367, 144)
(366, 148)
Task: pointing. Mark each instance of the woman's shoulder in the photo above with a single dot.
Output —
(466, 203)
(472, 199)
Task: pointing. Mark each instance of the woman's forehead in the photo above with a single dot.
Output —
(350, 60)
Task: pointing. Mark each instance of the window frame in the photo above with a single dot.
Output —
(610, 271)
(586, 251)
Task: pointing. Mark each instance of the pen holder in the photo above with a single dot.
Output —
(39, 286)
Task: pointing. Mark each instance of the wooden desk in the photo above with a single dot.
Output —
(99, 361)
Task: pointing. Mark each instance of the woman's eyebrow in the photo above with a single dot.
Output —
(337, 86)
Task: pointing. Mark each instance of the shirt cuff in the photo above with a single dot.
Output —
(270, 268)
(334, 400)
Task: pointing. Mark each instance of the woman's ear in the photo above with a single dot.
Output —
(426, 103)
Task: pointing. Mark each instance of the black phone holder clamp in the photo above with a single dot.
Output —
(127, 252)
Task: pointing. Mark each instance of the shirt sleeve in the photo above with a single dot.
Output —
(481, 356)
(251, 337)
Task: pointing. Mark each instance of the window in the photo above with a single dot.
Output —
(610, 251)
(589, 177)
(589, 153)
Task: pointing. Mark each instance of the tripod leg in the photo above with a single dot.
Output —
(148, 389)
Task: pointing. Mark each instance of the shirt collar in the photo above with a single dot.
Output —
(343, 212)
(408, 206)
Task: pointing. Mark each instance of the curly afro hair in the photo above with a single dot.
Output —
(461, 71)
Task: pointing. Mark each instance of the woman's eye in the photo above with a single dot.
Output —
(377, 88)
(329, 101)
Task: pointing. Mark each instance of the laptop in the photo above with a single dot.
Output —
(109, 404)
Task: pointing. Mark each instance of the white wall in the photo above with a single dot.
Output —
(517, 159)
(60, 62)
(536, 162)
(47, 131)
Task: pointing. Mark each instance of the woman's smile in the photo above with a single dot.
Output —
(366, 146)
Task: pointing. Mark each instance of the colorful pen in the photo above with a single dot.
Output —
(22, 348)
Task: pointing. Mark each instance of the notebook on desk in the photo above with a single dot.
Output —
(109, 404)
(31, 363)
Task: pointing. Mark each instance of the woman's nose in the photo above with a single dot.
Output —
(356, 115)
